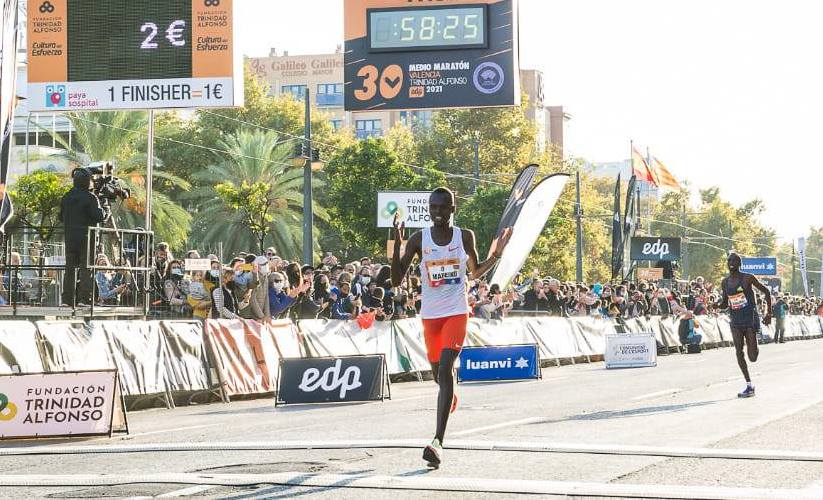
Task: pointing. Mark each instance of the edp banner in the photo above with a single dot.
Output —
(58, 404)
(412, 206)
(655, 248)
(631, 350)
(332, 380)
(511, 362)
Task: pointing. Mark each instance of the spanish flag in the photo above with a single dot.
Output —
(663, 176)
(640, 168)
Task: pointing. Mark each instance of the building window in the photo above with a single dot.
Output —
(329, 88)
(416, 118)
(336, 124)
(368, 128)
(330, 94)
(298, 91)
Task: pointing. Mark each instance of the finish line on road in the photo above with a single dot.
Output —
(465, 445)
(453, 484)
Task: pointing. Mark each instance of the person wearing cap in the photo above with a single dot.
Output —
(79, 209)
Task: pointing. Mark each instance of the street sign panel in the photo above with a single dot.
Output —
(423, 55)
(760, 266)
(132, 54)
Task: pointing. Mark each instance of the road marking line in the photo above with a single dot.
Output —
(194, 490)
(476, 445)
(501, 425)
(425, 483)
(413, 398)
(173, 430)
(658, 393)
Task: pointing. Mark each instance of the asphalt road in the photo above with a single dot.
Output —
(686, 401)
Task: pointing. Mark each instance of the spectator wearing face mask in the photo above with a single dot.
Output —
(361, 286)
(279, 300)
(173, 289)
(224, 305)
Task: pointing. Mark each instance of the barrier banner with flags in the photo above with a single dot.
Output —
(664, 178)
(517, 196)
(617, 233)
(801, 251)
(8, 73)
(528, 226)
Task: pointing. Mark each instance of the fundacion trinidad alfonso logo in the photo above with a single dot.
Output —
(8, 410)
(392, 208)
(46, 7)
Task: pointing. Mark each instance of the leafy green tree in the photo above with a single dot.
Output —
(37, 198)
(482, 213)
(507, 141)
(252, 196)
(114, 136)
(354, 176)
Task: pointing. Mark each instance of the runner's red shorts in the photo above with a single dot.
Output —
(444, 333)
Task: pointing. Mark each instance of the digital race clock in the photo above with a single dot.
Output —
(132, 54)
(433, 28)
(430, 54)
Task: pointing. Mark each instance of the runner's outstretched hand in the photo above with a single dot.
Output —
(500, 242)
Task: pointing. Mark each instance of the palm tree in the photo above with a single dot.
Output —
(253, 157)
(104, 136)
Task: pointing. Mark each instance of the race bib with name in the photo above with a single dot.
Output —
(443, 272)
(738, 301)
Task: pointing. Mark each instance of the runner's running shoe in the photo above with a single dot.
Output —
(432, 454)
(748, 392)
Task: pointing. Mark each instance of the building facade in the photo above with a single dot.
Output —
(322, 74)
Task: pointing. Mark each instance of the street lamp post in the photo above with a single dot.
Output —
(308, 209)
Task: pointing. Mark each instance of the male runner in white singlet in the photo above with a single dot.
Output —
(446, 253)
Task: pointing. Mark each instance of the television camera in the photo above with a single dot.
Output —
(107, 187)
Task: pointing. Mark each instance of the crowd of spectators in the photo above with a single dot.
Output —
(267, 286)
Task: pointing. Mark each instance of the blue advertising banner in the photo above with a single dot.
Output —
(760, 266)
(512, 362)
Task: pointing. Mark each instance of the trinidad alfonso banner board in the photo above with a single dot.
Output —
(60, 404)
(411, 206)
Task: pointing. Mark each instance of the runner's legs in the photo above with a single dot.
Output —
(749, 337)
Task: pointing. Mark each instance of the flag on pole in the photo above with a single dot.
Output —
(528, 226)
(617, 232)
(517, 196)
(664, 177)
(801, 252)
(8, 77)
(640, 167)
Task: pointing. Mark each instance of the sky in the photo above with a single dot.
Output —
(724, 93)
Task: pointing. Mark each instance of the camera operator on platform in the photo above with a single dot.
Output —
(80, 209)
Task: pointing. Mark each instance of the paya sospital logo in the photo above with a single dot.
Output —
(8, 410)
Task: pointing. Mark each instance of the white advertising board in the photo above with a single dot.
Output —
(413, 207)
(58, 404)
(631, 350)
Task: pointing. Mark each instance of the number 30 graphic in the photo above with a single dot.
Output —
(390, 82)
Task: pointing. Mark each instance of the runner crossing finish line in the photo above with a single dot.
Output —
(446, 253)
(738, 297)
